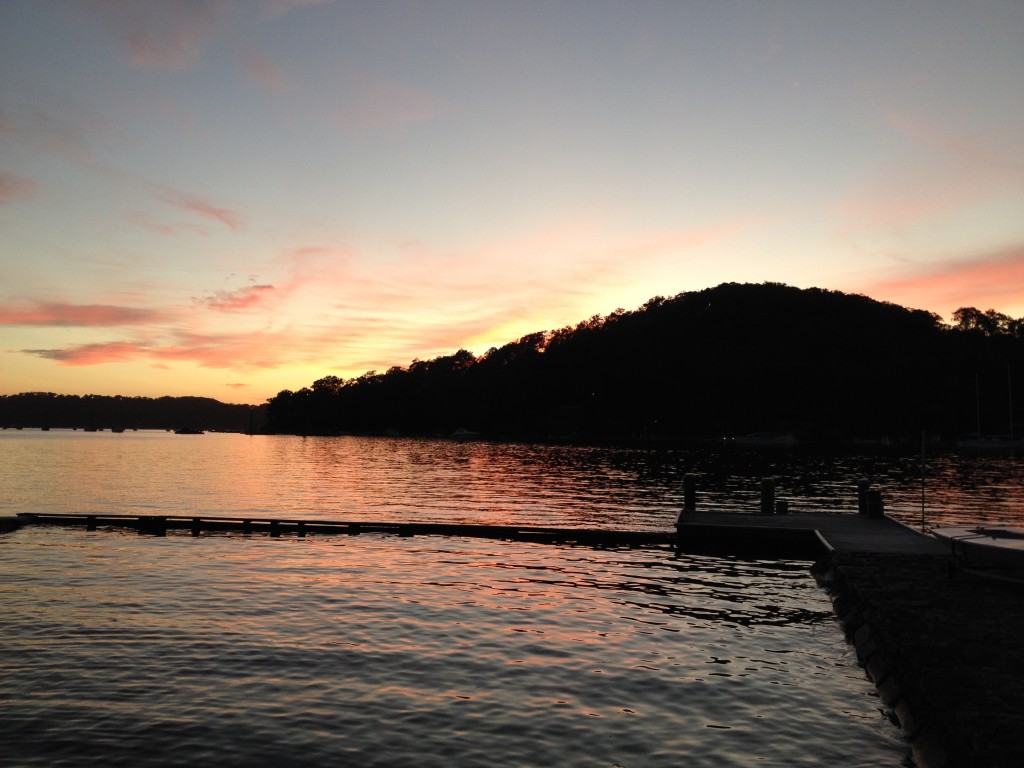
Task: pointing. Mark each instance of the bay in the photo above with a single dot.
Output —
(352, 478)
(123, 649)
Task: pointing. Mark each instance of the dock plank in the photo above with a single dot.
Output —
(841, 532)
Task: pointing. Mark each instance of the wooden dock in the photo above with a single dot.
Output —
(796, 536)
(835, 533)
(275, 526)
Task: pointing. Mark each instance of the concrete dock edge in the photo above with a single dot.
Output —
(943, 650)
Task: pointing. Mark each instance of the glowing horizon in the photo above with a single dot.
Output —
(231, 199)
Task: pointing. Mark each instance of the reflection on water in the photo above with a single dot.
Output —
(387, 651)
(476, 482)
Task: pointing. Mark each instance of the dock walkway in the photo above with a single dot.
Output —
(838, 533)
(807, 536)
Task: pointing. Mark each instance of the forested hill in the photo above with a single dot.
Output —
(46, 409)
(729, 360)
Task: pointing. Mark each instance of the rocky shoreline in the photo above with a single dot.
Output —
(945, 649)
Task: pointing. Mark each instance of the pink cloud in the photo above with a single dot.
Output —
(80, 315)
(160, 35)
(933, 137)
(91, 354)
(938, 176)
(991, 281)
(16, 188)
(41, 131)
(266, 72)
(388, 105)
(234, 301)
(204, 209)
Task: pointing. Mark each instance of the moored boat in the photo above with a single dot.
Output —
(984, 544)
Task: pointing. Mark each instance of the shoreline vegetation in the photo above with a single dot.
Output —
(756, 364)
(760, 364)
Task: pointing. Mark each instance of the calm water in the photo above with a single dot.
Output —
(127, 650)
(120, 649)
(435, 480)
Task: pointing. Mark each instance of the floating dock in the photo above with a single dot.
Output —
(796, 536)
(943, 645)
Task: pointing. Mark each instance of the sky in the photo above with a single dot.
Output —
(228, 199)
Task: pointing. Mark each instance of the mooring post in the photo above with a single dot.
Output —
(155, 525)
(768, 496)
(863, 485)
(197, 526)
(247, 526)
(90, 523)
(275, 528)
(875, 505)
(300, 528)
(689, 492)
(781, 507)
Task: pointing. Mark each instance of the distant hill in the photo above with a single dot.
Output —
(45, 409)
(729, 360)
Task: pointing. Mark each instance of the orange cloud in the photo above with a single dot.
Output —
(90, 354)
(992, 281)
(248, 297)
(15, 188)
(83, 315)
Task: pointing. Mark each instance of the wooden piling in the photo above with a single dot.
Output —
(689, 492)
(768, 496)
(863, 486)
(875, 505)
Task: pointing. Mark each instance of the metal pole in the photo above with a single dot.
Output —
(922, 478)
(1009, 391)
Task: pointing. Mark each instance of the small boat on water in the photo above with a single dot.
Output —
(763, 440)
(984, 544)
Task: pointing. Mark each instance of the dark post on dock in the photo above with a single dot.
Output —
(768, 496)
(689, 492)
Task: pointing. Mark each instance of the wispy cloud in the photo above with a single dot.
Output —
(91, 354)
(42, 130)
(331, 307)
(17, 188)
(203, 208)
(77, 315)
(249, 297)
(159, 35)
(935, 138)
(939, 177)
(988, 281)
(387, 105)
(266, 72)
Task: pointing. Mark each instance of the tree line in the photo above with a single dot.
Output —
(46, 409)
(728, 360)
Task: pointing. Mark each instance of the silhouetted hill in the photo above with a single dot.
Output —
(729, 360)
(45, 409)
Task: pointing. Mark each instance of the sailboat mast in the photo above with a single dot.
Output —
(1009, 392)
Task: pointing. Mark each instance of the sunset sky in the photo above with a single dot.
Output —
(233, 198)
